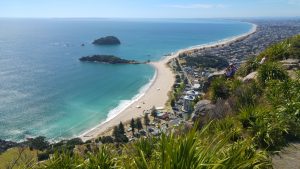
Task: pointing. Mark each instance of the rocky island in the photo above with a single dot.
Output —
(107, 59)
(108, 40)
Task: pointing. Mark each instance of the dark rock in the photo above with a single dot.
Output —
(107, 59)
(202, 108)
(108, 40)
(4, 145)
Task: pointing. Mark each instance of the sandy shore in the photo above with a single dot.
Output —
(157, 94)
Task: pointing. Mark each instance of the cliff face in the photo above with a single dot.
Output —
(108, 40)
(107, 59)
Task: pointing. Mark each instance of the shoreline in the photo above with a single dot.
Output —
(154, 93)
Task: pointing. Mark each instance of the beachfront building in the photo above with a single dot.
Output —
(187, 102)
(192, 93)
(196, 86)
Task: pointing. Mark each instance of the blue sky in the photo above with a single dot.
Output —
(149, 8)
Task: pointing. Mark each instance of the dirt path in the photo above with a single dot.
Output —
(289, 158)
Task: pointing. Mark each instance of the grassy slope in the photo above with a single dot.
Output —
(10, 156)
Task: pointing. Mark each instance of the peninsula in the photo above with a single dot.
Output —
(110, 59)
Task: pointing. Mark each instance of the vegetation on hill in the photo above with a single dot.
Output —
(205, 61)
(107, 59)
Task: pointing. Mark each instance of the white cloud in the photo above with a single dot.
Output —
(196, 6)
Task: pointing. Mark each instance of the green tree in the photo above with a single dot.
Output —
(172, 102)
(121, 128)
(115, 132)
(132, 125)
(139, 124)
(146, 120)
(153, 112)
(38, 143)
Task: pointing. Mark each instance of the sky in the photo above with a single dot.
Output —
(149, 8)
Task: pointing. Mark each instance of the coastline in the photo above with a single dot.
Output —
(155, 93)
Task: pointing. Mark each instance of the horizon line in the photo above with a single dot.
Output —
(232, 17)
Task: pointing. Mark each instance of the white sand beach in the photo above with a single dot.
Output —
(157, 94)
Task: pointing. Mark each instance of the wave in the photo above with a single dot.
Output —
(124, 104)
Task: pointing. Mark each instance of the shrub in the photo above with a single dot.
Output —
(277, 51)
(106, 139)
(245, 95)
(267, 127)
(271, 71)
(219, 89)
(251, 65)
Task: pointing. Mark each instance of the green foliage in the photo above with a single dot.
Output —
(207, 61)
(277, 51)
(295, 47)
(139, 124)
(106, 139)
(121, 128)
(271, 71)
(119, 135)
(38, 143)
(132, 125)
(64, 160)
(269, 128)
(146, 120)
(244, 94)
(153, 112)
(219, 89)
(104, 158)
(251, 65)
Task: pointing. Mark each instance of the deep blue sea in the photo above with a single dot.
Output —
(45, 90)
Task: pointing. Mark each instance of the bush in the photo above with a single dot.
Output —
(38, 143)
(106, 139)
(43, 156)
(250, 66)
(219, 89)
(244, 95)
(271, 71)
(277, 51)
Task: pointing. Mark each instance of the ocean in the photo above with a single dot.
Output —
(45, 90)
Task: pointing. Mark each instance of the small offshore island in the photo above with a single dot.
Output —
(110, 59)
(108, 40)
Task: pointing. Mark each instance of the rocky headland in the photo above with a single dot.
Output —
(109, 59)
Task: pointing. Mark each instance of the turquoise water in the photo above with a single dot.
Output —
(45, 90)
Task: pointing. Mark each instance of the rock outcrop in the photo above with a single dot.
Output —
(108, 40)
(4, 145)
(202, 108)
